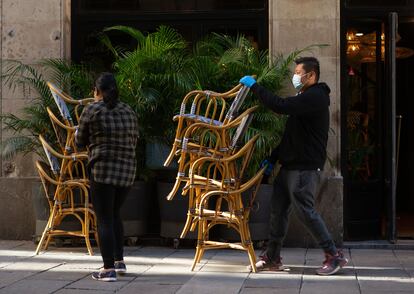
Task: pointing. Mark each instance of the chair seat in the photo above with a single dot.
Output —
(199, 118)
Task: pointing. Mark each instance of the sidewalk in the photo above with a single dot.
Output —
(167, 270)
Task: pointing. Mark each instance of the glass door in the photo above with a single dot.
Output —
(362, 134)
(369, 128)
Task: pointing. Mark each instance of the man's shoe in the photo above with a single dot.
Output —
(332, 264)
(266, 264)
(105, 275)
(120, 267)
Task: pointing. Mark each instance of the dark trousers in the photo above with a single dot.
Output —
(296, 189)
(107, 201)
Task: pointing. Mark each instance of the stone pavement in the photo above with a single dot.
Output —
(167, 270)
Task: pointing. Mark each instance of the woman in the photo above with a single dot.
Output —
(109, 128)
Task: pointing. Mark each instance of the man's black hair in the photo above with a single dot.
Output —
(309, 64)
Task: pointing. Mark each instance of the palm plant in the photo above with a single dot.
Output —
(152, 77)
(34, 120)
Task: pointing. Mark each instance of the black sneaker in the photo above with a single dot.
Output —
(332, 264)
(105, 276)
(120, 267)
(266, 264)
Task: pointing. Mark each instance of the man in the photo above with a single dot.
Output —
(302, 154)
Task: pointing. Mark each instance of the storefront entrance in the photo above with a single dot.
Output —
(377, 117)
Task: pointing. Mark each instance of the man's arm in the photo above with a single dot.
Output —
(302, 103)
(305, 102)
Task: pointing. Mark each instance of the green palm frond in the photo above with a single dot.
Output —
(34, 120)
(136, 34)
(12, 146)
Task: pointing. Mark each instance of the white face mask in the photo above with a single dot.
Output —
(296, 81)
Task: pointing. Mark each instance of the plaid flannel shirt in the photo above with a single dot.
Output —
(111, 135)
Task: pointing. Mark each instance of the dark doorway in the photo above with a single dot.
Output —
(363, 167)
(405, 122)
(192, 18)
(377, 147)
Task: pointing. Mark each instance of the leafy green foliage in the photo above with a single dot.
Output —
(34, 120)
(153, 78)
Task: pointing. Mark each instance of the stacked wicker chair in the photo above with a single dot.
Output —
(212, 167)
(64, 176)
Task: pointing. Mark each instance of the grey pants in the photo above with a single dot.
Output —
(296, 188)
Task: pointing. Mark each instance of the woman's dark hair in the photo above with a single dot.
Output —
(106, 85)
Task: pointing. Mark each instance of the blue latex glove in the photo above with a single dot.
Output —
(269, 168)
(248, 81)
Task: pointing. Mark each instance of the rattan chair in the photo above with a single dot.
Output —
(235, 215)
(205, 140)
(68, 173)
(65, 198)
(207, 107)
(208, 173)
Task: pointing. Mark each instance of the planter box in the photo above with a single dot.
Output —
(173, 214)
(134, 211)
(259, 217)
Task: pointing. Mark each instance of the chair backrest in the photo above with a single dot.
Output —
(46, 177)
(241, 131)
(237, 103)
(53, 161)
(64, 134)
(60, 102)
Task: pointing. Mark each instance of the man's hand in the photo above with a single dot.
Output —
(269, 167)
(248, 81)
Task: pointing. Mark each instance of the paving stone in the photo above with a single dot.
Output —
(9, 277)
(390, 285)
(282, 280)
(88, 283)
(206, 282)
(269, 290)
(329, 284)
(166, 275)
(61, 273)
(67, 270)
(83, 291)
(34, 287)
(148, 288)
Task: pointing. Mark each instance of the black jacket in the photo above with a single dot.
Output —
(303, 145)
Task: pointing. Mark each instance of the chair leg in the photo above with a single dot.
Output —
(86, 234)
(252, 257)
(174, 190)
(246, 241)
(170, 156)
(196, 257)
(187, 225)
(42, 239)
(49, 237)
(190, 216)
(46, 232)
(200, 243)
(200, 255)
